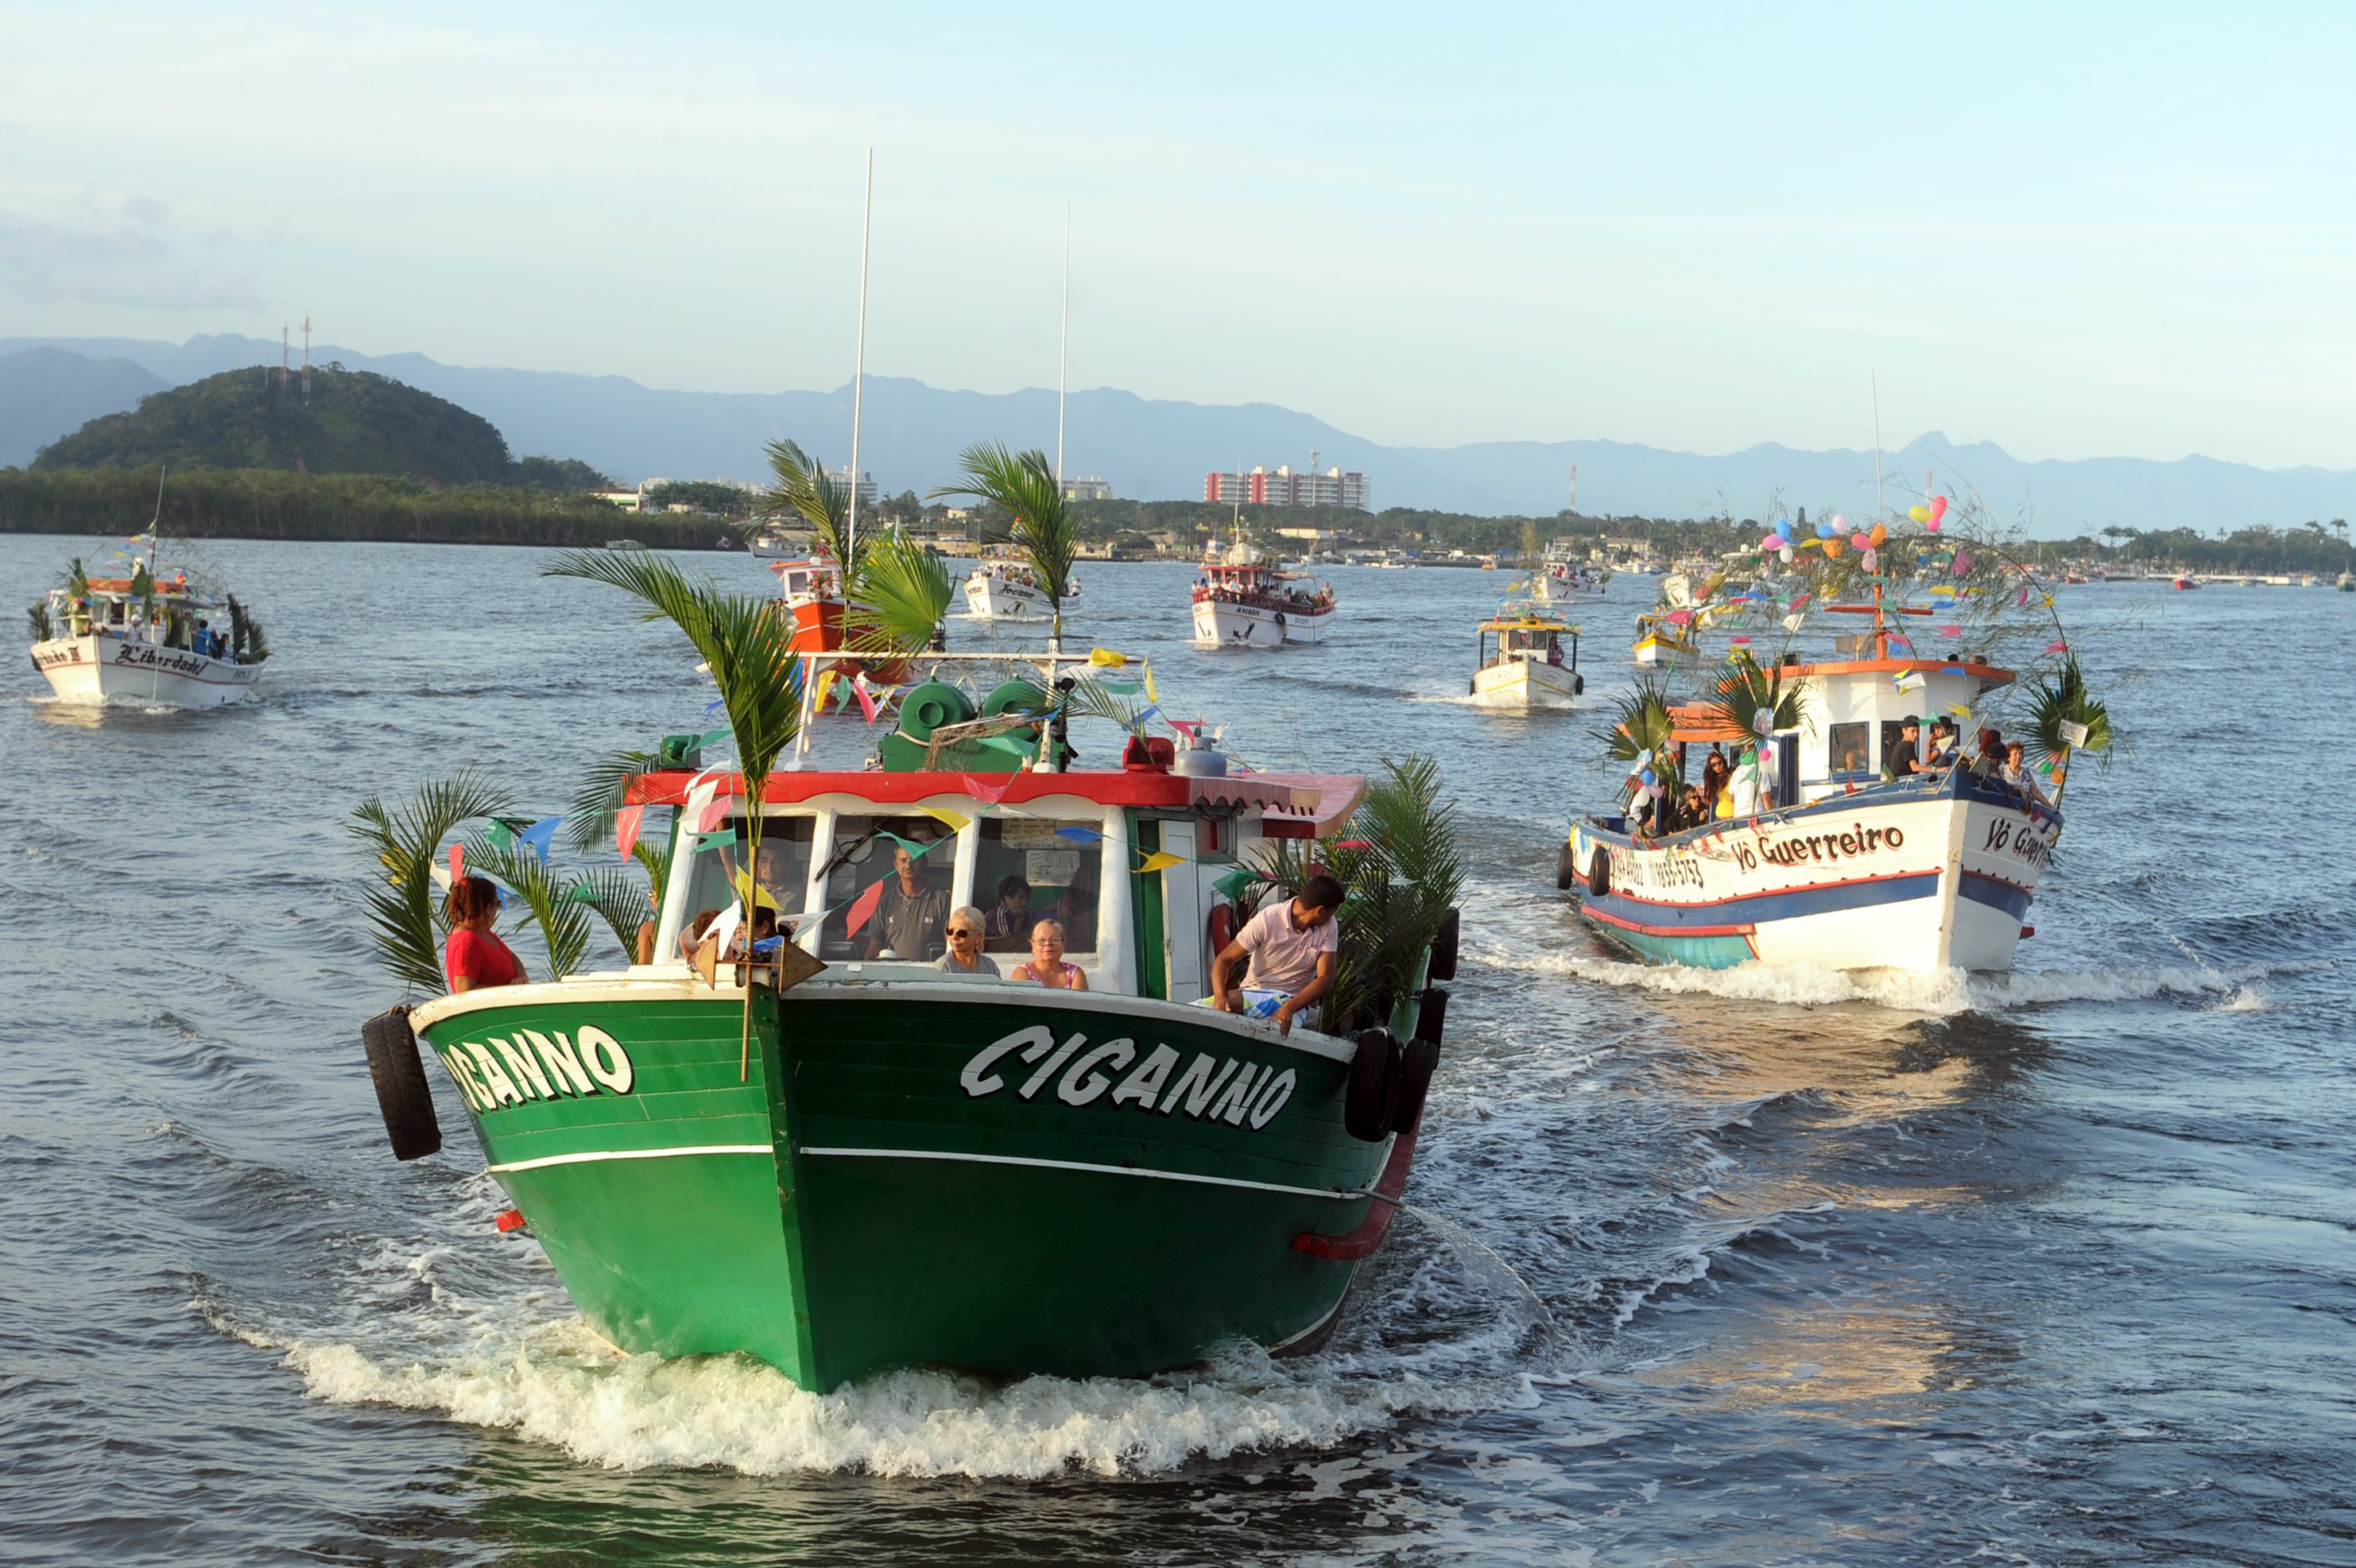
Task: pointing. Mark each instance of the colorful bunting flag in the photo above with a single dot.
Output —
(746, 889)
(626, 822)
(725, 838)
(863, 909)
(457, 863)
(1150, 695)
(866, 699)
(2057, 647)
(1161, 861)
(958, 822)
(1079, 835)
(541, 837)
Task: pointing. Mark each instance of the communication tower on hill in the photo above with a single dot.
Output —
(1574, 488)
(307, 361)
(284, 356)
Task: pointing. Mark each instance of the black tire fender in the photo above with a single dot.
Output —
(1417, 1063)
(1373, 1095)
(1432, 1014)
(401, 1092)
(1599, 873)
(1443, 948)
(1578, 684)
(1566, 867)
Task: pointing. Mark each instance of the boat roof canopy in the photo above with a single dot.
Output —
(1289, 794)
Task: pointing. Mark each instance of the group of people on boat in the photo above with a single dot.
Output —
(1260, 595)
(1997, 760)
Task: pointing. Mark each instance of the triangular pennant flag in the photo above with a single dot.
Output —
(988, 793)
(1079, 835)
(863, 909)
(1150, 695)
(1233, 883)
(1161, 861)
(1120, 687)
(626, 823)
(541, 837)
(714, 706)
(1104, 658)
(457, 863)
(747, 891)
(712, 737)
(843, 700)
(725, 838)
(958, 821)
(825, 685)
(866, 700)
(723, 930)
(498, 835)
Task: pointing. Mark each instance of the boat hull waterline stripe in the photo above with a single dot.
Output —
(591, 1156)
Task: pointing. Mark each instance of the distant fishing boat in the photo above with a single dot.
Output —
(1569, 582)
(1238, 604)
(999, 590)
(145, 639)
(2185, 584)
(1529, 667)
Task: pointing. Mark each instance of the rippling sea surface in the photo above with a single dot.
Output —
(1771, 1267)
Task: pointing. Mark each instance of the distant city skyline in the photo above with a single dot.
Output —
(2087, 233)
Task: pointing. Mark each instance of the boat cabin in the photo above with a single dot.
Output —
(110, 606)
(1020, 846)
(1527, 639)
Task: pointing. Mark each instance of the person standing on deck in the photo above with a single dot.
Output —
(910, 918)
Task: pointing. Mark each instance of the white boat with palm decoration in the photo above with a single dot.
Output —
(152, 637)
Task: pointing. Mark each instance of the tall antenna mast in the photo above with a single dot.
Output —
(1877, 443)
(1574, 489)
(859, 369)
(1064, 349)
(283, 354)
(307, 361)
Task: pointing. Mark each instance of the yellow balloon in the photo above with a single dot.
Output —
(1920, 514)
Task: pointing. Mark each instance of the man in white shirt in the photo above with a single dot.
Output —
(1290, 947)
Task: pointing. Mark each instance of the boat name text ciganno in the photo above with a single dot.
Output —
(1229, 1091)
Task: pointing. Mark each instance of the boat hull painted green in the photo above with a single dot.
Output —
(977, 1177)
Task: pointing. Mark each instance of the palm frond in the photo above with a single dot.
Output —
(618, 895)
(1045, 531)
(1746, 690)
(897, 598)
(1088, 700)
(563, 923)
(656, 860)
(77, 580)
(407, 836)
(36, 618)
(2065, 700)
(602, 791)
(805, 488)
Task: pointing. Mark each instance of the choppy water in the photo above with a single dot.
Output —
(1770, 1267)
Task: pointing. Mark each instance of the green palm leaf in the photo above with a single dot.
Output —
(898, 597)
(805, 488)
(407, 837)
(618, 897)
(563, 923)
(604, 791)
(1045, 532)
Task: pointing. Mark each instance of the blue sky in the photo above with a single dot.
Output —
(2074, 231)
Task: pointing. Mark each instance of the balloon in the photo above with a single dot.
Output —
(1861, 542)
(1938, 507)
(1879, 535)
(1872, 561)
(1933, 525)
(1920, 514)
(1772, 541)
(1648, 777)
(1839, 522)
(1832, 547)
(1963, 563)
(1786, 553)
(1823, 530)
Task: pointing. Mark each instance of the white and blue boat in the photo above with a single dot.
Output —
(1927, 872)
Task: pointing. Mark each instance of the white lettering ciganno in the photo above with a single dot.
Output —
(1111, 1073)
(531, 1066)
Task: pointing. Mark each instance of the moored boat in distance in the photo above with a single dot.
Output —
(1528, 668)
(1001, 590)
(843, 1159)
(145, 640)
(1240, 603)
(1569, 582)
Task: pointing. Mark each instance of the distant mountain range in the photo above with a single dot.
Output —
(1160, 450)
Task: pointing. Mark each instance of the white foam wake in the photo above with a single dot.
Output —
(1935, 992)
(560, 1384)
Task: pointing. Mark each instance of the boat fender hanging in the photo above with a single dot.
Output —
(1443, 948)
(402, 1093)
(1432, 1014)
(1599, 873)
(1416, 1065)
(1280, 619)
(1566, 866)
(1373, 1095)
(1578, 684)
(1219, 930)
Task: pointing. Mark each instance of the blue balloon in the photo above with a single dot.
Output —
(1823, 530)
(1647, 776)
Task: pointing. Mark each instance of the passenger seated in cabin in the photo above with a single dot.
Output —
(1291, 948)
(1944, 741)
(908, 923)
(763, 929)
(1076, 906)
(1045, 965)
(965, 955)
(1902, 757)
(691, 937)
(1554, 649)
(1008, 929)
(2015, 773)
(474, 957)
(1989, 763)
(1696, 806)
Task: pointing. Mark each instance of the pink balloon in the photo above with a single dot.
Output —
(1873, 557)
(1772, 541)
(1963, 563)
(1938, 508)
(1861, 542)
(1840, 522)
(1933, 525)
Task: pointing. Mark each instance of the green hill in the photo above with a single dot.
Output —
(355, 422)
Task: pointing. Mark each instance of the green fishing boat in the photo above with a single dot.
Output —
(840, 1160)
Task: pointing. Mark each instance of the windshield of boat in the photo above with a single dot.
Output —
(1030, 869)
(865, 860)
(715, 873)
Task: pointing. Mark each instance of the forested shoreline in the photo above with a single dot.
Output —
(264, 503)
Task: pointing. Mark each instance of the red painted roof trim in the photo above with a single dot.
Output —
(1168, 791)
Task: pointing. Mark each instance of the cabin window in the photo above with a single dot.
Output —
(1893, 740)
(909, 926)
(1849, 755)
(782, 869)
(1030, 869)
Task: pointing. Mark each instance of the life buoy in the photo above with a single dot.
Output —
(1218, 931)
(1373, 1096)
(401, 1093)
(1599, 873)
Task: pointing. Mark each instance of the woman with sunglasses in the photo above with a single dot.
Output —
(965, 955)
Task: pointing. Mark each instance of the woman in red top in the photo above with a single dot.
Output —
(474, 956)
